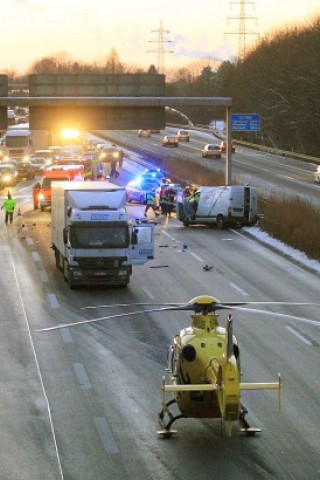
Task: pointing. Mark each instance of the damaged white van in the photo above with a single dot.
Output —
(223, 206)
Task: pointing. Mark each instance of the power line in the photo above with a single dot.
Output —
(243, 19)
(160, 50)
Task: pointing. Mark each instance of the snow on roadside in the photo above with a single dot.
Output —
(282, 247)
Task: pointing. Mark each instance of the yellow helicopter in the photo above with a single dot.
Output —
(203, 363)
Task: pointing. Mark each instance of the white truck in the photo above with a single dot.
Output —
(223, 206)
(20, 142)
(94, 241)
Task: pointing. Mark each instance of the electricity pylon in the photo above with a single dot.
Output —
(242, 32)
(160, 50)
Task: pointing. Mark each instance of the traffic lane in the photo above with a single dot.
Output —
(136, 404)
(154, 283)
(27, 435)
(192, 256)
(271, 173)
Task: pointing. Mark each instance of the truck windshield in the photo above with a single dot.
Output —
(99, 237)
(17, 141)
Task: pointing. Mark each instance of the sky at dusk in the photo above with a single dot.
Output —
(87, 30)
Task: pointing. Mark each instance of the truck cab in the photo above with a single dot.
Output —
(94, 241)
(57, 173)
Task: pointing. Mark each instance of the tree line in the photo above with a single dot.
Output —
(279, 79)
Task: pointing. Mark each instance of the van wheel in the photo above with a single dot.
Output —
(220, 222)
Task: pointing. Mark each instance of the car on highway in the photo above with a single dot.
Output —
(144, 133)
(136, 191)
(170, 140)
(211, 150)
(109, 153)
(39, 164)
(183, 135)
(317, 175)
(8, 174)
(25, 170)
(223, 146)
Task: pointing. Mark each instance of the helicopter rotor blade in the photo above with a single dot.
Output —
(277, 314)
(196, 306)
(155, 304)
(119, 315)
(204, 308)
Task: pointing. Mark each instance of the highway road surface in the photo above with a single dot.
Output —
(82, 403)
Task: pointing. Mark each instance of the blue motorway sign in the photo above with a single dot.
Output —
(245, 122)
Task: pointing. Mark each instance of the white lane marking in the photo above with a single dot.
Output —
(196, 257)
(53, 300)
(238, 289)
(82, 376)
(29, 241)
(105, 435)
(44, 392)
(66, 335)
(299, 336)
(167, 234)
(36, 256)
(148, 293)
(43, 276)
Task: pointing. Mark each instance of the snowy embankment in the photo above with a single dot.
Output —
(289, 251)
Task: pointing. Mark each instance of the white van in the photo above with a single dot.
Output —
(223, 206)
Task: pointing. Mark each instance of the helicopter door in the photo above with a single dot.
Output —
(142, 244)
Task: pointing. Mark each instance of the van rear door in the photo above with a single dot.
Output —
(142, 249)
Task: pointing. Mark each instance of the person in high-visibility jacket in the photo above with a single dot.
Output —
(9, 205)
(151, 202)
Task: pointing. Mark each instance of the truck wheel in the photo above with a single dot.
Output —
(35, 206)
(59, 261)
(142, 200)
(186, 222)
(42, 208)
(220, 222)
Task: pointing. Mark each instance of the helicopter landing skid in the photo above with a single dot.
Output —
(166, 431)
(246, 426)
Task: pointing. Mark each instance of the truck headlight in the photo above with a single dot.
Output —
(122, 272)
(41, 196)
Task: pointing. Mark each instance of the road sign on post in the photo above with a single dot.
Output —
(245, 122)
